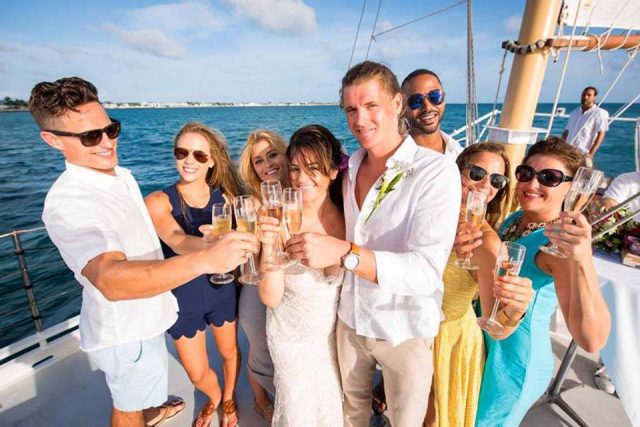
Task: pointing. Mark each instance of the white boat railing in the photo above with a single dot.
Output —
(488, 119)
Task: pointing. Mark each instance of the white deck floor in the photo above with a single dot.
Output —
(70, 393)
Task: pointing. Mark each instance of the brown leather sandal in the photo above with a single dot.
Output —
(229, 413)
(206, 412)
(266, 413)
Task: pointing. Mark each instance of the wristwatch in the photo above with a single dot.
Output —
(507, 321)
(351, 260)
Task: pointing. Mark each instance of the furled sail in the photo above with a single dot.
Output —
(619, 14)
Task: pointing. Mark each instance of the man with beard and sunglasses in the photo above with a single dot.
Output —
(426, 104)
(95, 215)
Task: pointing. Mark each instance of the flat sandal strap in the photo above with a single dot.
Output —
(229, 407)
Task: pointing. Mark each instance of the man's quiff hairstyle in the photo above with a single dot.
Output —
(420, 72)
(52, 100)
(595, 91)
(369, 70)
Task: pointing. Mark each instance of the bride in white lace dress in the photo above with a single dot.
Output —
(302, 303)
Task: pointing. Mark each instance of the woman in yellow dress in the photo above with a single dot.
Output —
(459, 348)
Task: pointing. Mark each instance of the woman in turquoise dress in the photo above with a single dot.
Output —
(519, 368)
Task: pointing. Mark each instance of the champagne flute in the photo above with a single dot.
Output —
(474, 212)
(247, 222)
(221, 221)
(509, 262)
(292, 211)
(583, 187)
(272, 201)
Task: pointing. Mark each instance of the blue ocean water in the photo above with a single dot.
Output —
(28, 167)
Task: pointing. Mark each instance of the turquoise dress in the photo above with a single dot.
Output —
(519, 368)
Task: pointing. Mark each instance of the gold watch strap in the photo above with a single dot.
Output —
(507, 321)
(355, 249)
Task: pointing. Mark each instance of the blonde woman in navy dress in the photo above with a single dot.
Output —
(206, 176)
(263, 158)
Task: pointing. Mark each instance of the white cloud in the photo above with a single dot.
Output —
(512, 24)
(153, 42)
(194, 15)
(286, 16)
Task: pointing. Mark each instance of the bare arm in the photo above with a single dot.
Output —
(271, 286)
(576, 282)
(596, 143)
(168, 229)
(514, 293)
(120, 279)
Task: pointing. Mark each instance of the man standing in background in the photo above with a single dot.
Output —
(587, 124)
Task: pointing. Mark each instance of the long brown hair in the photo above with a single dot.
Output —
(316, 143)
(245, 167)
(560, 149)
(223, 174)
(497, 208)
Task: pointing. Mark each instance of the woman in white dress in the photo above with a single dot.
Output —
(302, 303)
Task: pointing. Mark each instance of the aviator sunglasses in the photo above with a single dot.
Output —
(182, 153)
(546, 177)
(91, 138)
(476, 173)
(435, 97)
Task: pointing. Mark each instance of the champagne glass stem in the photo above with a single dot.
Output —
(494, 311)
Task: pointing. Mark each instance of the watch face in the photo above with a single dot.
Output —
(351, 261)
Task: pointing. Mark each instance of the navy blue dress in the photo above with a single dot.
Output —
(200, 303)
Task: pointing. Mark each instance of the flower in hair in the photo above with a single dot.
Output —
(344, 162)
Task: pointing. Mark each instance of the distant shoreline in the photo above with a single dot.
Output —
(140, 105)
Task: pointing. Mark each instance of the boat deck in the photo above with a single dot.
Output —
(72, 393)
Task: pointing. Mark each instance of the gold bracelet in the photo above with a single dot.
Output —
(507, 321)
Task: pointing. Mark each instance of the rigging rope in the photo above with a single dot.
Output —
(422, 17)
(353, 49)
(472, 104)
(375, 23)
(563, 74)
(492, 119)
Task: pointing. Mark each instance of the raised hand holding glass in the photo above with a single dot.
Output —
(246, 222)
(474, 211)
(221, 224)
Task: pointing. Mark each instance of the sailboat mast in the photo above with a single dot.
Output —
(527, 73)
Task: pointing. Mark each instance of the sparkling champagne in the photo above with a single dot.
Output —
(508, 268)
(274, 211)
(221, 225)
(576, 200)
(246, 226)
(474, 218)
(293, 220)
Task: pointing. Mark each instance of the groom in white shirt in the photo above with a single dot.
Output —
(401, 204)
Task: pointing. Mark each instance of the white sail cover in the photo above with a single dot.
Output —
(618, 14)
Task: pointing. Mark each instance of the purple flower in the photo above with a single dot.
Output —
(344, 162)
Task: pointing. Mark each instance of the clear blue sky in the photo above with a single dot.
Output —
(263, 50)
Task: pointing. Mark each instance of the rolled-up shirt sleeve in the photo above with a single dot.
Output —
(419, 269)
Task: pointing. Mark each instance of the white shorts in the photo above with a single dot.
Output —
(136, 372)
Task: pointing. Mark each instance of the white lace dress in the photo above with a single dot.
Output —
(302, 343)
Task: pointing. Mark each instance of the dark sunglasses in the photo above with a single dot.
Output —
(546, 177)
(497, 181)
(435, 97)
(91, 138)
(182, 153)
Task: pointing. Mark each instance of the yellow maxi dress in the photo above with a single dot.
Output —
(458, 351)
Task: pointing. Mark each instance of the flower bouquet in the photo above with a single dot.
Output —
(624, 239)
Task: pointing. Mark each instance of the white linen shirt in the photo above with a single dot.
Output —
(411, 234)
(623, 187)
(586, 125)
(452, 148)
(88, 213)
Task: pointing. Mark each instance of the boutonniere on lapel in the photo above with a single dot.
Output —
(390, 181)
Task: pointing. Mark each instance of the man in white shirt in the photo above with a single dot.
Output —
(426, 104)
(95, 215)
(401, 205)
(621, 188)
(587, 124)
